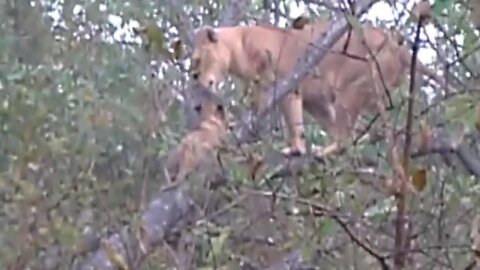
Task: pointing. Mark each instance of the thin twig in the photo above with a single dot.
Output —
(400, 230)
(381, 259)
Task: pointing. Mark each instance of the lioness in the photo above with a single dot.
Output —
(200, 145)
(254, 52)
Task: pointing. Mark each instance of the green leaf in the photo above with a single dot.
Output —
(328, 227)
(17, 75)
(470, 40)
(218, 244)
(461, 110)
(458, 106)
(441, 5)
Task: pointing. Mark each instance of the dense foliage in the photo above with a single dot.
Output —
(89, 107)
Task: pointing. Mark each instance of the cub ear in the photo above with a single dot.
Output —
(212, 35)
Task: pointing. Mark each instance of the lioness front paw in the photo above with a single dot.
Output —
(290, 151)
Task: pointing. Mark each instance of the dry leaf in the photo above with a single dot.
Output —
(177, 49)
(154, 34)
(423, 11)
(425, 136)
(475, 237)
(419, 179)
(255, 164)
(114, 257)
(155, 39)
(102, 118)
(142, 238)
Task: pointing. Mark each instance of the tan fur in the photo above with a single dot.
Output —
(366, 91)
(243, 51)
(200, 145)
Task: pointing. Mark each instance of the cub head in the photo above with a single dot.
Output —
(210, 57)
(208, 106)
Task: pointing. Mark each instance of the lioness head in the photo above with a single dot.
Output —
(210, 57)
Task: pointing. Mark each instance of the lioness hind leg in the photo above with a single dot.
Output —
(322, 152)
(337, 129)
(292, 110)
(342, 121)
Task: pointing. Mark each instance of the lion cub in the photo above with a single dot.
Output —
(199, 147)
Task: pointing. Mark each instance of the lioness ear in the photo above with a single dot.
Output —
(212, 35)
(300, 22)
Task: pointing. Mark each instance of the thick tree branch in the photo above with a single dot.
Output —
(471, 163)
(442, 144)
(169, 212)
(235, 12)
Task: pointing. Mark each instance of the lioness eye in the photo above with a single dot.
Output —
(195, 75)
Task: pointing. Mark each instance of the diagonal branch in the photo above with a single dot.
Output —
(235, 12)
(471, 163)
(169, 212)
